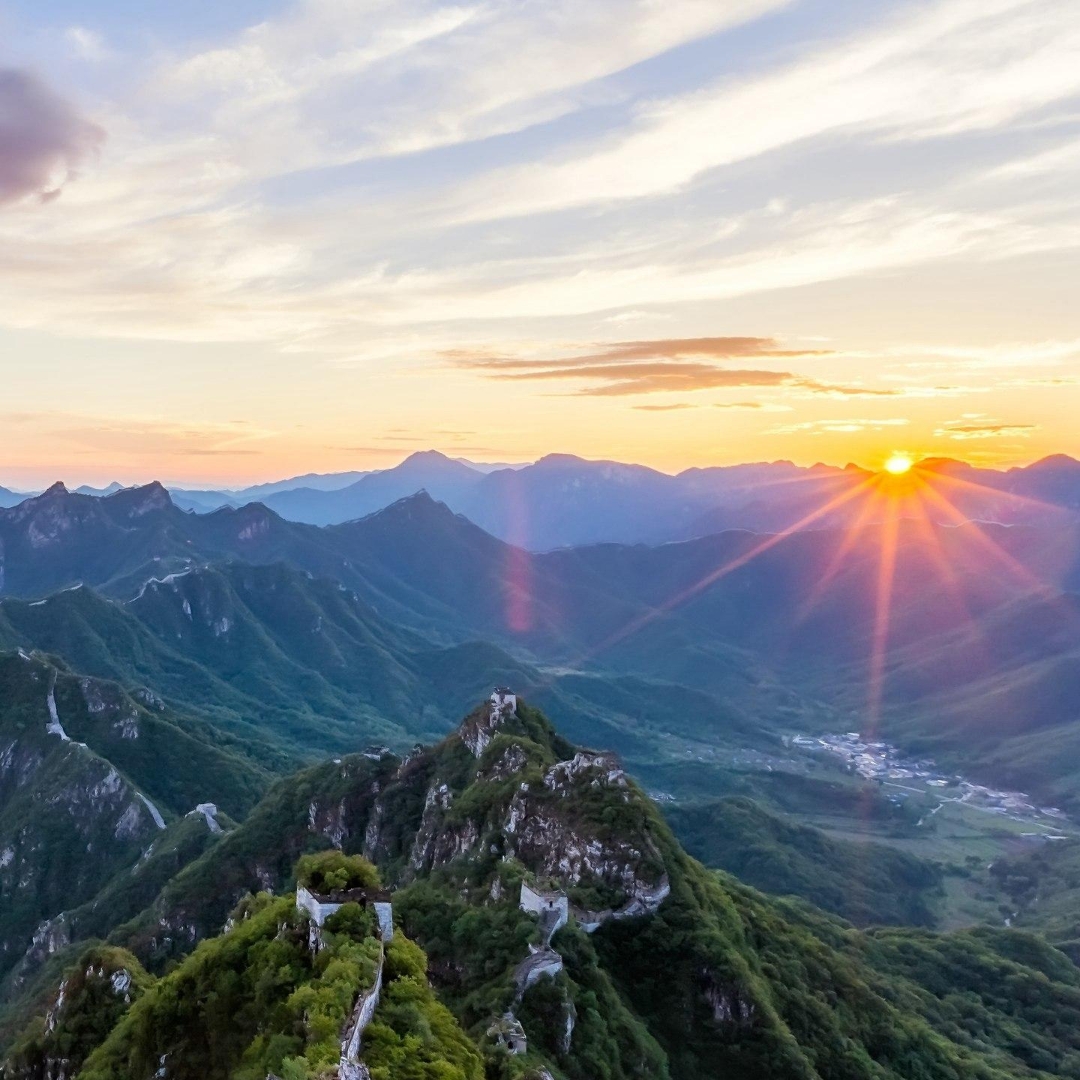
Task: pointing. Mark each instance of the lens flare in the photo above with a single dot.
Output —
(898, 507)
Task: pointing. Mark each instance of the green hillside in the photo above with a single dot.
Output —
(90, 780)
(684, 972)
(287, 667)
(865, 883)
(978, 665)
(1042, 887)
(257, 1000)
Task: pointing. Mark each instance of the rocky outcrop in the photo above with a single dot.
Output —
(507, 1033)
(728, 1003)
(50, 937)
(553, 847)
(106, 699)
(436, 842)
(328, 821)
(545, 963)
(509, 763)
(566, 1035)
(597, 770)
(479, 729)
(373, 837)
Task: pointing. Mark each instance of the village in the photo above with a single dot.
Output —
(883, 762)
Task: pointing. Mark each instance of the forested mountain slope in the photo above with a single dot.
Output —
(662, 969)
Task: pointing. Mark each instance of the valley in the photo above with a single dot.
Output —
(239, 689)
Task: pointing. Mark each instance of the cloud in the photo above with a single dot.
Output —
(966, 429)
(43, 139)
(663, 365)
(621, 352)
(348, 82)
(836, 390)
(188, 452)
(174, 238)
(137, 437)
(946, 68)
(736, 406)
(822, 427)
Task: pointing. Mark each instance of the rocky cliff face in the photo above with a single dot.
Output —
(73, 819)
(81, 1008)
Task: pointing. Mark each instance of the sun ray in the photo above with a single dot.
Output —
(729, 567)
(852, 534)
(988, 544)
(928, 530)
(882, 614)
(1025, 500)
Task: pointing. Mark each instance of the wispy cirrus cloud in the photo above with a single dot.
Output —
(974, 427)
(734, 406)
(94, 434)
(842, 426)
(752, 406)
(921, 75)
(87, 44)
(664, 365)
(353, 82)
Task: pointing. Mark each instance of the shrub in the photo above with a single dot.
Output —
(327, 871)
(352, 919)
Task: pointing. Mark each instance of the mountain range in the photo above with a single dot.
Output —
(191, 702)
(564, 501)
(741, 620)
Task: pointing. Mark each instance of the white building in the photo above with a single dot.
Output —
(503, 699)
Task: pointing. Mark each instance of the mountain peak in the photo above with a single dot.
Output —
(561, 460)
(429, 460)
(1054, 461)
(419, 502)
(136, 501)
(419, 457)
(59, 488)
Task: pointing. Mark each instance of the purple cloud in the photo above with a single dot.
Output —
(43, 139)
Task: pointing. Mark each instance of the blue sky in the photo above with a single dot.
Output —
(275, 235)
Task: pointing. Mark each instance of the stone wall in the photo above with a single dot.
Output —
(644, 901)
(317, 911)
(552, 908)
(363, 1011)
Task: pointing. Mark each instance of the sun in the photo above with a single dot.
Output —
(897, 464)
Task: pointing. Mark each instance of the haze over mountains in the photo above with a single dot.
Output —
(562, 500)
(982, 641)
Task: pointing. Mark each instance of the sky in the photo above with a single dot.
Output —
(244, 241)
